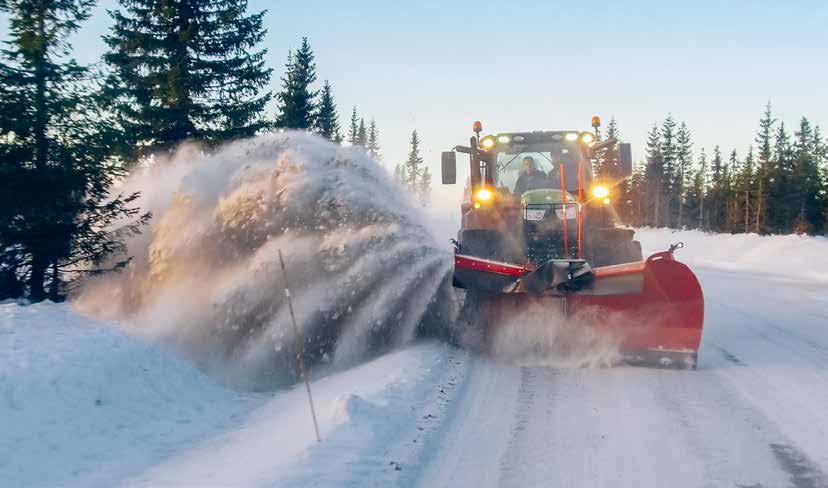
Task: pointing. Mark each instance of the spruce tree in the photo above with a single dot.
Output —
(698, 193)
(654, 175)
(56, 214)
(730, 196)
(186, 70)
(782, 209)
(806, 180)
(327, 120)
(413, 165)
(716, 200)
(743, 186)
(668, 173)
(399, 174)
(638, 196)
(821, 158)
(373, 141)
(684, 161)
(424, 186)
(297, 100)
(353, 128)
(362, 134)
(764, 170)
(606, 167)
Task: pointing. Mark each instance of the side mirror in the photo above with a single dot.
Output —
(625, 159)
(449, 168)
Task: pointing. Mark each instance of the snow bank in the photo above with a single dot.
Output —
(82, 404)
(364, 270)
(790, 256)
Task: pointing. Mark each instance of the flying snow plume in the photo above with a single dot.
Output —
(365, 274)
(536, 337)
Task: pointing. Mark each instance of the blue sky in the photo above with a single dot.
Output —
(526, 65)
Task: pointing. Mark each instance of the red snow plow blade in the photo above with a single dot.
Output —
(655, 307)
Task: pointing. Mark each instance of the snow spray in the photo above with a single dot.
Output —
(540, 337)
(366, 275)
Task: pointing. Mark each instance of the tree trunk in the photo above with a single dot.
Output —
(54, 285)
(37, 276)
(758, 206)
(747, 211)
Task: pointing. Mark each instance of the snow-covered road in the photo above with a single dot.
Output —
(755, 413)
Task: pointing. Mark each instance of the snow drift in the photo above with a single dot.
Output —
(83, 404)
(788, 256)
(364, 272)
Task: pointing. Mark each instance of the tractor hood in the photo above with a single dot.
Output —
(545, 196)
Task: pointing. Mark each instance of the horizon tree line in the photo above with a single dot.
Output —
(778, 187)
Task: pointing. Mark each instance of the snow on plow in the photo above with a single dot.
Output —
(654, 307)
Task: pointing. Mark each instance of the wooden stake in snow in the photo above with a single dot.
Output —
(301, 348)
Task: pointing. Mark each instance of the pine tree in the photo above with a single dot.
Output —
(297, 100)
(782, 209)
(684, 161)
(55, 210)
(327, 120)
(764, 171)
(654, 175)
(695, 195)
(744, 187)
(638, 196)
(669, 173)
(606, 167)
(806, 180)
(399, 174)
(186, 70)
(730, 196)
(413, 165)
(716, 200)
(353, 128)
(424, 186)
(373, 141)
(821, 159)
(362, 134)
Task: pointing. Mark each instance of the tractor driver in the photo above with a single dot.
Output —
(531, 178)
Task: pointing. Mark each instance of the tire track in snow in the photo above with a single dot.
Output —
(515, 459)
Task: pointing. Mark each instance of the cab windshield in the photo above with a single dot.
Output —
(529, 168)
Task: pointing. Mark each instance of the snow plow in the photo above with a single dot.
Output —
(539, 228)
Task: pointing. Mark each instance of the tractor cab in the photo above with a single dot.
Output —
(533, 196)
(531, 161)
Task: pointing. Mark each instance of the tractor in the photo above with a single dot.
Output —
(539, 226)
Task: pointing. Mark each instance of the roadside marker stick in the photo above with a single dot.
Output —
(301, 338)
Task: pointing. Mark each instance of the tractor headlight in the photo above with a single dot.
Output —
(588, 138)
(483, 195)
(571, 136)
(487, 143)
(599, 191)
(503, 139)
